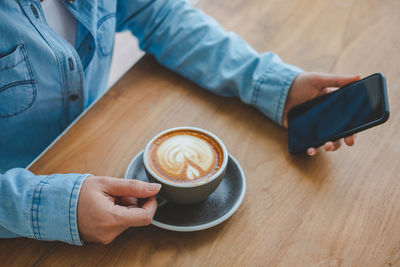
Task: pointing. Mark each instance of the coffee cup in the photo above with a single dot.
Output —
(188, 162)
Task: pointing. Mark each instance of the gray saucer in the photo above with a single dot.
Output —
(218, 207)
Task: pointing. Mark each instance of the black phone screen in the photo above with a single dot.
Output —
(332, 116)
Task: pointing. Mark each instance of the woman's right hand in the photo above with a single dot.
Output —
(108, 206)
(309, 85)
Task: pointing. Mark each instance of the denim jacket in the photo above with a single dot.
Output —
(45, 83)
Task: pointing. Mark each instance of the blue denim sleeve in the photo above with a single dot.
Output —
(191, 43)
(40, 207)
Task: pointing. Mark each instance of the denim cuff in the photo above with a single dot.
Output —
(54, 208)
(272, 86)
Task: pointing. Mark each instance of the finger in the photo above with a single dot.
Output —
(312, 151)
(128, 201)
(332, 80)
(127, 187)
(336, 145)
(328, 90)
(137, 216)
(150, 206)
(349, 140)
(328, 146)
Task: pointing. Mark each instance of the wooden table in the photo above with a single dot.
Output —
(339, 209)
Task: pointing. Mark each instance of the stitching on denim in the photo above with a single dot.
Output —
(28, 64)
(32, 101)
(20, 46)
(259, 82)
(34, 89)
(24, 6)
(22, 110)
(5, 87)
(105, 18)
(281, 102)
(257, 90)
(35, 208)
(43, 183)
(64, 90)
(81, 76)
(80, 72)
(12, 66)
(100, 34)
(69, 213)
(32, 211)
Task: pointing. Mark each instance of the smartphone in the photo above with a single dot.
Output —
(348, 110)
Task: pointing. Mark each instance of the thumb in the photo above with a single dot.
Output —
(332, 80)
(132, 188)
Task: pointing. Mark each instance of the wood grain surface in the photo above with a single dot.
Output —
(339, 209)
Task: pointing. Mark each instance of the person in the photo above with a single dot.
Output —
(49, 74)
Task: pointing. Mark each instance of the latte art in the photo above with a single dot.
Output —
(185, 156)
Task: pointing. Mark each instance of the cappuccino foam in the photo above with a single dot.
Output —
(185, 156)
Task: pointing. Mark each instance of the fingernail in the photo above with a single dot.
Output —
(312, 153)
(153, 187)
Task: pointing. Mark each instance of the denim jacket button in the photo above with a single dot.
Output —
(73, 97)
(71, 64)
(71, 1)
(34, 11)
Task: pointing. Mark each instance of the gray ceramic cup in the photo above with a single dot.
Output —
(186, 193)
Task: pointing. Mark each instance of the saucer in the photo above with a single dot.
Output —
(218, 207)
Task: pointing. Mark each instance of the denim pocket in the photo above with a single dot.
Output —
(105, 34)
(17, 86)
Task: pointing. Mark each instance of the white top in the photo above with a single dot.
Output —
(60, 19)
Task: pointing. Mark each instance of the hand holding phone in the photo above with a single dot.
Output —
(350, 109)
